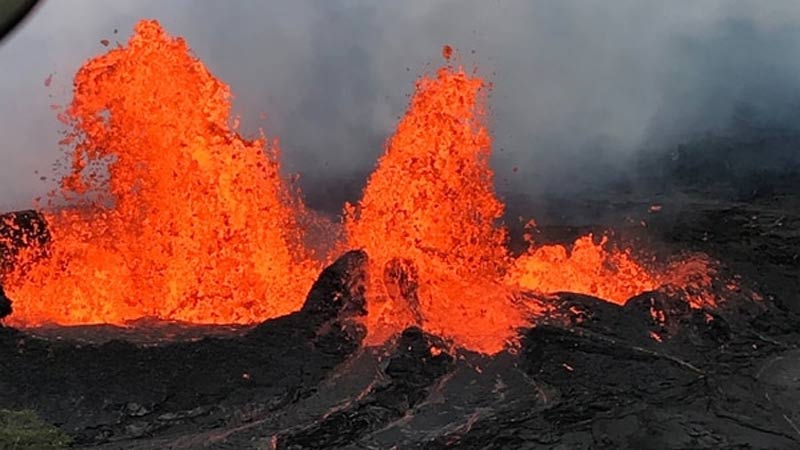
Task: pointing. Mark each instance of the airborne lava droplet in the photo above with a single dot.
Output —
(447, 52)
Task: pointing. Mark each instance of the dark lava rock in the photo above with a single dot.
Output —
(589, 377)
(5, 304)
(119, 391)
(671, 317)
(606, 383)
(339, 290)
(401, 279)
(411, 371)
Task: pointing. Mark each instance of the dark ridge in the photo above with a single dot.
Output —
(610, 385)
(410, 373)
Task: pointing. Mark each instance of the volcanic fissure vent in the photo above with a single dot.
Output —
(167, 211)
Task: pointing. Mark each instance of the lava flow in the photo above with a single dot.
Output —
(172, 214)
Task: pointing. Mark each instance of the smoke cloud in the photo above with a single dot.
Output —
(581, 87)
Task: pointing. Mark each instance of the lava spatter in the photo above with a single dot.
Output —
(587, 268)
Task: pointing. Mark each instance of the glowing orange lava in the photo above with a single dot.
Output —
(174, 215)
(588, 268)
(431, 201)
(430, 204)
(170, 213)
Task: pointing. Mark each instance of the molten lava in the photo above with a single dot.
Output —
(587, 269)
(170, 213)
(430, 204)
(431, 201)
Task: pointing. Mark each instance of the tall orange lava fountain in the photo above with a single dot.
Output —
(431, 202)
(172, 213)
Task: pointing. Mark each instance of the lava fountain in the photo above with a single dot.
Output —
(429, 210)
(170, 212)
(431, 202)
(167, 211)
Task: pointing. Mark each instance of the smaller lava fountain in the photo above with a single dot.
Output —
(170, 213)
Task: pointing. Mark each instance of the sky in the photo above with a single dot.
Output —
(580, 87)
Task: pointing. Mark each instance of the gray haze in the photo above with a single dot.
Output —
(580, 86)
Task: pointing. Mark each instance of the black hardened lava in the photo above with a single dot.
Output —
(410, 373)
(5, 304)
(606, 384)
(120, 391)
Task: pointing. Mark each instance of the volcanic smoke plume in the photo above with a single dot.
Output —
(167, 212)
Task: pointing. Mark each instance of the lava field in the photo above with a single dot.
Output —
(172, 292)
